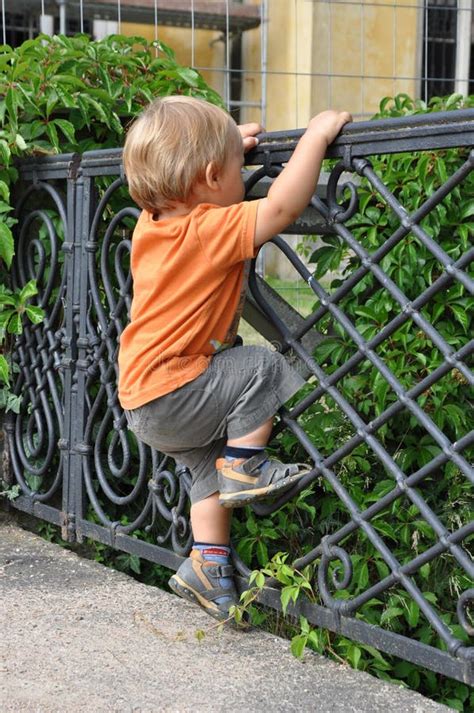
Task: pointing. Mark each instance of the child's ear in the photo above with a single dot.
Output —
(212, 176)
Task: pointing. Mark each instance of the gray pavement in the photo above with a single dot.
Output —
(78, 636)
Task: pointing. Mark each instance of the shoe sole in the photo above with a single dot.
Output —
(246, 497)
(183, 590)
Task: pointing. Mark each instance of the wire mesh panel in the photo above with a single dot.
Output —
(385, 416)
(281, 61)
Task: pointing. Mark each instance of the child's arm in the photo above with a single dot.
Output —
(291, 192)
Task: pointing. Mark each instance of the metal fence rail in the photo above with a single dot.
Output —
(80, 468)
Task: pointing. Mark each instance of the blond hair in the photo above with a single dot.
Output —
(169, 146)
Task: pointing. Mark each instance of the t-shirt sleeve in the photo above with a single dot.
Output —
(226, 234)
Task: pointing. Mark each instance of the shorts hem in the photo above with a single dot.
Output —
(196, 494)
(252, 422)
(258, 417)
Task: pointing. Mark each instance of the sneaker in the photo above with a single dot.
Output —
(244, 481)
(197, 581)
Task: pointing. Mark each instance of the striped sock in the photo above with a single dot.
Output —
(232, 452)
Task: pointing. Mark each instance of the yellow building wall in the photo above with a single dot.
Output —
(286, 90)
(337, 54)
(320, 55)
(360, 49)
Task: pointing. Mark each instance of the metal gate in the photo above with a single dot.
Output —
(80, 468)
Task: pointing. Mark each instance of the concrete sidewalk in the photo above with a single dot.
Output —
(78, 636)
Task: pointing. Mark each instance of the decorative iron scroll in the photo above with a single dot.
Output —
(38, 434)
(79, 466)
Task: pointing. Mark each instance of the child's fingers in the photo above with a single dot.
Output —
(250, 129)
(250, 142)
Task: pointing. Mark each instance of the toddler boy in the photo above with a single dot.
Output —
(186, 389)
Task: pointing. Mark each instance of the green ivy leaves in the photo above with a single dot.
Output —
(13, 305)
(63, 85)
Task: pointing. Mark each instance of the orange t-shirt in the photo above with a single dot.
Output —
(188, 292)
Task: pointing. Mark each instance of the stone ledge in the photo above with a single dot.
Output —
(81, 637)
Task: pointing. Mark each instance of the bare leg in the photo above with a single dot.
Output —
(210, 521)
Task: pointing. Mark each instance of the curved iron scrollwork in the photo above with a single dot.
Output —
(465, 600)
(35, 433)
(330, 554)
(170, 493)
(340, 213)
(117, 468)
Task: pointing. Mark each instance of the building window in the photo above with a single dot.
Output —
(73, 26)
(439, 48)
(19, 27)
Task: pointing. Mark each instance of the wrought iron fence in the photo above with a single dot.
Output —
(79, 467)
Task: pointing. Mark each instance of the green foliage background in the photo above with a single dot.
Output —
(72, 94)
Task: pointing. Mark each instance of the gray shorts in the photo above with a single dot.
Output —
(241, 389)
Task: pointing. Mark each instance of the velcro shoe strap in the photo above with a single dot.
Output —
(252, 464)
(289, 470)
(216, 593)
(219, 570)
